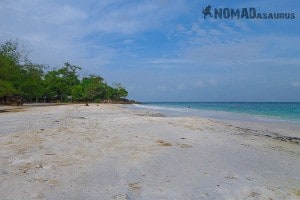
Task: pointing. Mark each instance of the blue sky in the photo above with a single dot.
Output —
(164, 50)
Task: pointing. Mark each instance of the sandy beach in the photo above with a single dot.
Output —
(111, 152)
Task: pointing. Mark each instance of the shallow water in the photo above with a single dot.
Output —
(280, 111)
(274, 117)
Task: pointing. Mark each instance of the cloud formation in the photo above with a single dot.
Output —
(295, 84)
(163, 50)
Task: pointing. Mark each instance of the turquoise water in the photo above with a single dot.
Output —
(285, 111)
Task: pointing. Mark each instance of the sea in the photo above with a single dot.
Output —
(261, 111)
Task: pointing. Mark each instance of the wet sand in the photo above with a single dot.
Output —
(110, 152)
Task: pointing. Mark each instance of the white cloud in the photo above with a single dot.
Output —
(52, 31)
(241, 25)
(180, 86)
(249, 51)
(134, 18)
(58, 31)
(212, 82)
(162, 61)
(232, 43)
(180, 28)
(198, 84)
(127, 42)
(162, 88)
(295, 84)
(107, 37)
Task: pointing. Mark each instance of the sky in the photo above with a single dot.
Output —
(164, 50)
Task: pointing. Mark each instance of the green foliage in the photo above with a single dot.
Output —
(121, 91)
(6, 89)
(18, 76)
(77, 93)
(10, 70)
(32, 84)
(61, 82)
(93, 87)
(10, 49)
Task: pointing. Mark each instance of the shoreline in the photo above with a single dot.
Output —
(112, 152)
(282, 129)
(223, 111)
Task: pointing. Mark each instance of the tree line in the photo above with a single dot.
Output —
(22, 80)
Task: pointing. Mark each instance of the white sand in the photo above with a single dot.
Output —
(109, 152)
